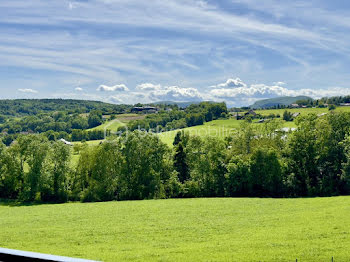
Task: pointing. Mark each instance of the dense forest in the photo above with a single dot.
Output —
(55, 118)
(24, 107)
(256, 161)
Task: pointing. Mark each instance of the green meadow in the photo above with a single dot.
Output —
(216, 128)
(216, 229)
(120, 120)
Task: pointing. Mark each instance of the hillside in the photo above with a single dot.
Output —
(23, 107)
(272, 102)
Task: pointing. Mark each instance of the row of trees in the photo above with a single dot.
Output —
(256, 161)
(86, 135)
(324, 102)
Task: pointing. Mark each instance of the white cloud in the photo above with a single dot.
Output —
(27, 90)
(120, 87)
(243, 95)
(78, 89)
(175, 93)
(234, 89)
(231, 83)
(279, 83)
(148, 86)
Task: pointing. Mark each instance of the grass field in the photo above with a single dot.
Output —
(119, 121)
(226, 229)
(216, 128)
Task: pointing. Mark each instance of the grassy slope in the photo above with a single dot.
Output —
(114, 124)
(217, 128)
(235, 229)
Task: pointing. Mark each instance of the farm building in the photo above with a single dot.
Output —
(145, 109)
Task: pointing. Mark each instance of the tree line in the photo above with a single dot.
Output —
(255, 161)
(26, 107)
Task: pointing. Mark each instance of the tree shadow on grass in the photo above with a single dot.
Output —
(16, 203)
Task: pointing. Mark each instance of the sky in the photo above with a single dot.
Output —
(130, 51)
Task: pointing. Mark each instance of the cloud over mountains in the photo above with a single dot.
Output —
(106, 88)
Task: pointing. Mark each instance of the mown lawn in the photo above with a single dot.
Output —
(226, 229)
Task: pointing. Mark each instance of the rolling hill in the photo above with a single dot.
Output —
(272, 102)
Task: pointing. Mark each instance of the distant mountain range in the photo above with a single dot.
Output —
(283, 100)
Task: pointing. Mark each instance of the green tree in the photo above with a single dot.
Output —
(34, 150)
(237, 177)
(180, 161)
(59, 171)
(206, 160)
(9, 173)
(287, 116)
(302, 157)
(105, 173)
(145, 166)
(95, 119)
(265, 173)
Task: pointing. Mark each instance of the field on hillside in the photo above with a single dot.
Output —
(302, 111)
(113, 125)
(216, 128)
(119, 121)
(217, 229)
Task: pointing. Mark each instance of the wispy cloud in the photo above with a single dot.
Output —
(27, 90)
(182, 45)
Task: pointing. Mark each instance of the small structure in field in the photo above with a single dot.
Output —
(296, 115)
(66, 142)
(287, 129)
(251, 112)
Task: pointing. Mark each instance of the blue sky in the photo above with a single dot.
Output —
(129, 51)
